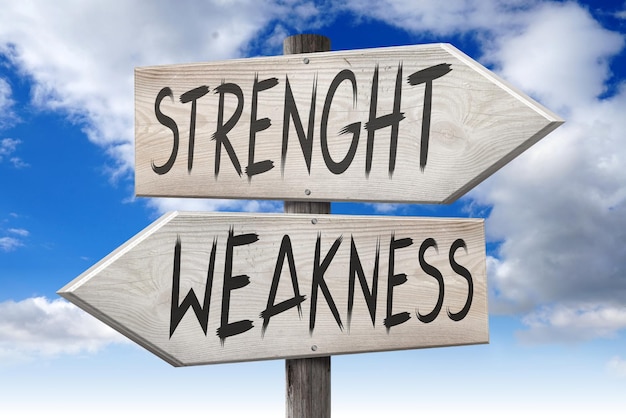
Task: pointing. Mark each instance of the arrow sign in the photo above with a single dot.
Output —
(201, 288)
(420, 124)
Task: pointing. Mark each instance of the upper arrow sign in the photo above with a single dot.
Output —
(420, 124)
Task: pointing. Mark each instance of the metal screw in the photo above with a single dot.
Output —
(306, 60)
(307, 192)
(313, 348)
(314, 221)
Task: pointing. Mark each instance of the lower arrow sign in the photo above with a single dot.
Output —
(202, 288)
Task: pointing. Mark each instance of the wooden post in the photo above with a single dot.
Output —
(308, 379)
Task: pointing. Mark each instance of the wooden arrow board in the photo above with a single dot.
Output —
(200, 288)
(405, 124)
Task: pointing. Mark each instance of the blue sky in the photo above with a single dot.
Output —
(555, 216)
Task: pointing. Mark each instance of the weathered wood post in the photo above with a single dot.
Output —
(308, 379)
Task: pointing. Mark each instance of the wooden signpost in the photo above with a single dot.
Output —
(408, 124)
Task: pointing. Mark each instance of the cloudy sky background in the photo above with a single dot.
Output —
(556, 216)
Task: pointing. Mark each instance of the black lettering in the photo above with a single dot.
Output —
(433, 272)
(228, 329)
(461, 271)
(354, 128)
(192, 96)
(220, 136)
(291, 112)
(257, 125)
(318, 281)
(357, 269)
(177, 311)
(427, 76)
(170, 123)
(394, 280)
(377, 122)
(271, 309)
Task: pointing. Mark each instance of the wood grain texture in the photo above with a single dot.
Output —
(132, 288)
(305, 43)
(478, 123)
(305, 399)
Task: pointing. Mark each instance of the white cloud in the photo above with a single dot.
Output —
(7, 114)
(561, 55)
(388, 208)
(19, 231)
(13, 240)
(18, 162)
(8, 244)
(162, 205)
(8, 146)
(572, 323)
(443, 18)
(617, 367)
(38, 327)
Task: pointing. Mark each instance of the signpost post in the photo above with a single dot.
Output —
(307, 380)
(409, 124)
